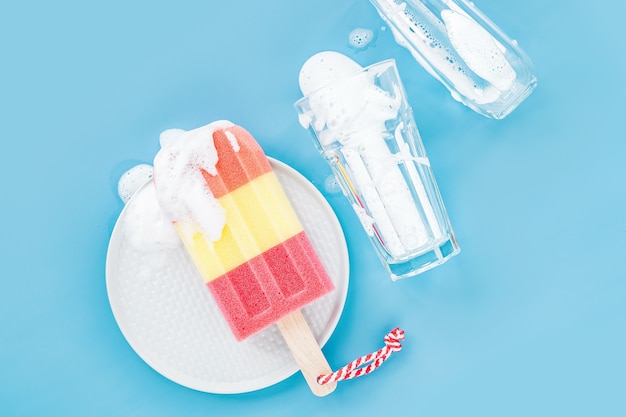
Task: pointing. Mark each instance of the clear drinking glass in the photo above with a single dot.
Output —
(364, 128)
(457, 44)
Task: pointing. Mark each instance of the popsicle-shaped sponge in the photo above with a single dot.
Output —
(218, 187)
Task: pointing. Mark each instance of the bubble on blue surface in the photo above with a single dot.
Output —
(361, 38)
(331, 185)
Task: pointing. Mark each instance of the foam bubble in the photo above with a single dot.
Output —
(331, 184)
(360, 38)
(132, 180)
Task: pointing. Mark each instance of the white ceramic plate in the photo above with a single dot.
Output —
(166, 313)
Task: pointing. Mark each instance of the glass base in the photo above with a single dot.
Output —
(424, 261)
(502, 108)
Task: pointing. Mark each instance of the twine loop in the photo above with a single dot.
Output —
(368, 363)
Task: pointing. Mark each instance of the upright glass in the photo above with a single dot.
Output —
(364, 127)
(458, 45)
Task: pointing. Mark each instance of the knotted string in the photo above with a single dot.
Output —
(368, 363)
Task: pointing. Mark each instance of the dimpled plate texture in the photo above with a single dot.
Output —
(169, 318)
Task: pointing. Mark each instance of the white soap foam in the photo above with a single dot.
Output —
(324, 68)
(147, 227)
(352, 110)
(132, 180)
(360, 38)
(480, 51)
(168, 136)
(346, 102)
(181, 189)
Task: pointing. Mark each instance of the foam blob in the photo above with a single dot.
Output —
(323, 68)
(132, 180)
(147, 227)
(360, 38)
(168, 136)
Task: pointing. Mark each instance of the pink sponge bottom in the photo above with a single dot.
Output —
(281, 280)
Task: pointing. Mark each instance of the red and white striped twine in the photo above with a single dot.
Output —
(368, 363)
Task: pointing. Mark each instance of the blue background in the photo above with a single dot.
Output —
(528, 320)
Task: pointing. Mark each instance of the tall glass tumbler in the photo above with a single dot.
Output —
(458, 45)
(364, 127)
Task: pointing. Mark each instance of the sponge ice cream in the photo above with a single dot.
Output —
(218, 188)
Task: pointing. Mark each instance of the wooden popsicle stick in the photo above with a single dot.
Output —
(306, 351)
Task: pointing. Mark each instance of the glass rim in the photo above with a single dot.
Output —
(389, 61)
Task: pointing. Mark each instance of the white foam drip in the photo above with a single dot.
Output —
(233, 140)
(168, 136)
(181, 189)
